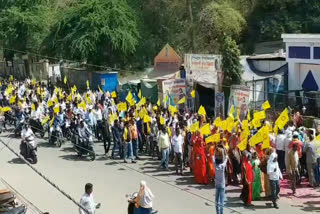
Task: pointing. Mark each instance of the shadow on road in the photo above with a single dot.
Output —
(67, 149)
(44, 144)
(16, 161)
(74, 157)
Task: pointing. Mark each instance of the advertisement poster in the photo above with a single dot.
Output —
(239, 97)
(219, 105)
(175, 89)
(202, 67)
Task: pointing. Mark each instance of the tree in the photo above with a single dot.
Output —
(99, 31)
(24, 24)
(231, 66)
(219, 19)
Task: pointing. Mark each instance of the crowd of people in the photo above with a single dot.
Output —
(251, 151)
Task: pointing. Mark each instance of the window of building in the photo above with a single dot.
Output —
(299, 52)
(316, 52)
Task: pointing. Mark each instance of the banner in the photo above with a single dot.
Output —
(175, 89)
(202, 67)
(219, 105)
(239, 98)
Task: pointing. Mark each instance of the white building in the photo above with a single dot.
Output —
(303, 57)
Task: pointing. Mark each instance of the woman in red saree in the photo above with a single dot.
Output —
(199, 159)
(210, 154)
(247, 180)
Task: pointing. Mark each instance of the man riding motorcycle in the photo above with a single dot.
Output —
(28, 146)
(84, 143)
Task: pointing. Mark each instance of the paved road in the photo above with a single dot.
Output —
(113, 180)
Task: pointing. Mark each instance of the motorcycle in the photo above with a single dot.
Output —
(8, 204)
(28, 150)
(56, 136)
(83, 146)
(131, 205)
(19, 126)
(37, 127)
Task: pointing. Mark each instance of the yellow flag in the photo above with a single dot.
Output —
(45, 120)
(11, 78)
(162, 120)
(224, 125)
(258, 137)
(139, 94)
(259, 115)
(193, 93)
(113, 94)
(266, 139)
(6, 109)
(129, 96)
(100, 89)
(142, 113)
(165, 99)
(202, 111)
(266, 105)
(82, 105)
(182, 100)
(213, 138)
(33, 107)
(65, 80)
(231, 111)
(248, 115)
(12, 99)
(275, 130)
(146, 118)
(56, 109)
(205, 130)
(256, 123)
(245, 124)
(55, 99)
(230, 123)
(122, 106)
(73, 89)
(132, 102)
(194, 127)
(217, 122)
(51, 122)
(282, 119)
(169, 131)
(49, 103)
(158, 102)
(88, 85)
(243, 144)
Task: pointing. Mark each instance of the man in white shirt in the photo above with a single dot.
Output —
(87, 201)
(177, 142)
(280, 147)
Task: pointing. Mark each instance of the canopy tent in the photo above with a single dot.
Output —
(149, 89)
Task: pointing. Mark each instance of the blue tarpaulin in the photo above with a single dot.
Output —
(309, 83)
(106, 81)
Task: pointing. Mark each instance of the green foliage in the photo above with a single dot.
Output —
(218, 20)
(231, 66)
(24, 26)
(93, 28)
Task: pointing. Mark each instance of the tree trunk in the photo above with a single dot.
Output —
(191, 30)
